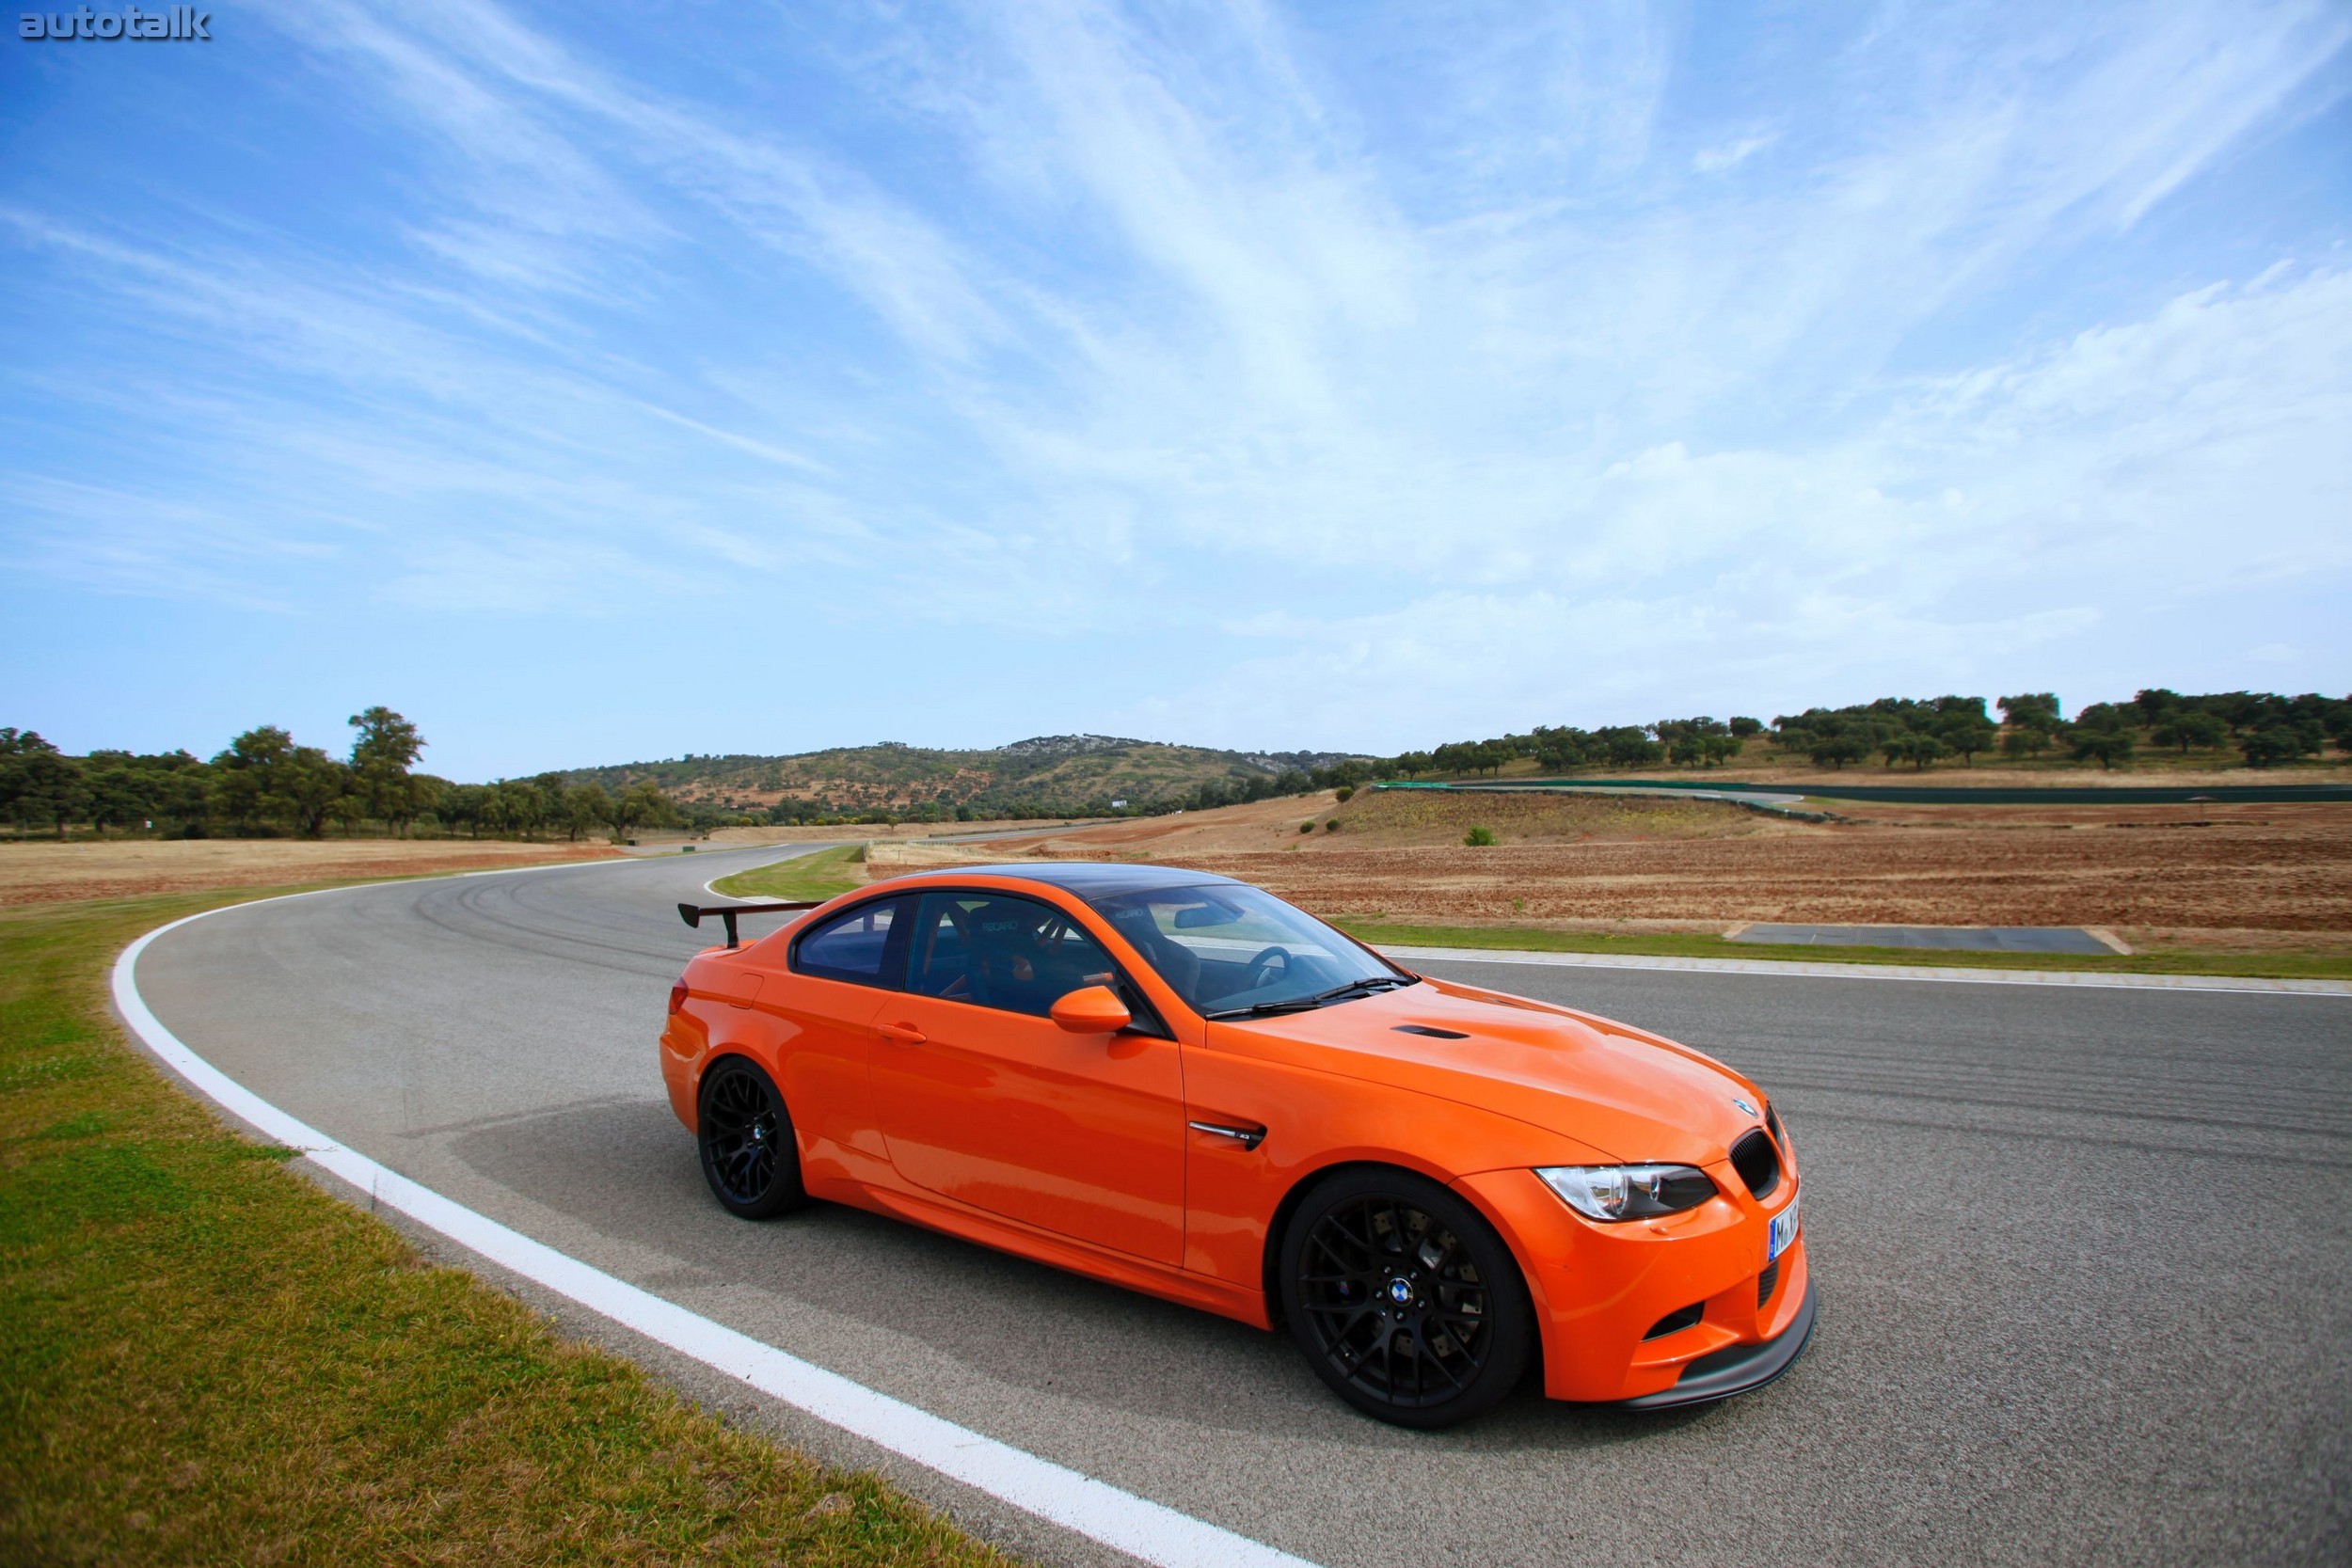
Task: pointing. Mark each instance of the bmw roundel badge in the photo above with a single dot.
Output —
(1743, 1105)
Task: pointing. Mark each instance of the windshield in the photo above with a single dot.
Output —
(1232, 951)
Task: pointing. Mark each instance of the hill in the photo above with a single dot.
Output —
(1056, 774)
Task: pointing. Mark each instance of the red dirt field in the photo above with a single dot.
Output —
(2203, 874)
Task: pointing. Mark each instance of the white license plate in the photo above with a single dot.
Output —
(1784, 1230)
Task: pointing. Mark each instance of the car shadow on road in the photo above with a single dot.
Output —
(629, 1171)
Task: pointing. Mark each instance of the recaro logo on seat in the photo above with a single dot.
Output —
(177, 22)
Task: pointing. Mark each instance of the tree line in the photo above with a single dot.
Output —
(2265, 729)
(1014, 804)
(263, 782)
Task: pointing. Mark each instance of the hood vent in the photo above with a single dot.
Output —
(1757, 1161)
(1433, 1033)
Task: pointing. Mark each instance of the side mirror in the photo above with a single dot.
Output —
(1094, 1010)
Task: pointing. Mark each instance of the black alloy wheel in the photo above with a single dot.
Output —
(1403, 1298)
(748, 1154)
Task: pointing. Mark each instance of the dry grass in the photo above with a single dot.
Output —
(40, 872)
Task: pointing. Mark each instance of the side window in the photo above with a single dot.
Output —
(997, 951)
(856, 946)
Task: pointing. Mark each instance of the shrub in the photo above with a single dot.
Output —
(1332, 826)
(1479, 838)
(1306, 827)
(1346, 793)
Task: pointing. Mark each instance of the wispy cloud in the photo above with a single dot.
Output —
(1433, 362)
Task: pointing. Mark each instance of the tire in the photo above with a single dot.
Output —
(748, 1154)
(1404, 1299)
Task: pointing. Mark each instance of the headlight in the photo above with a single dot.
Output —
(1628, 1191)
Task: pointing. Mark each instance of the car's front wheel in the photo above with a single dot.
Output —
(748, 1154)
(1403, 1298)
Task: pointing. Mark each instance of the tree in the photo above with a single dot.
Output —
(2278, 744)
(385, 748)
(39, 783)
(1746, 729)
(1836, 748)
(2033, 719)
(1628, 746)
(246, 775)
(1562, 749)
(465, 806)
(2108, 746)
(2024, 742)
(644, 803)
(2189, 729)
(121, 793)
(2033, 710)
(523, 805)
(1967, 733)
(586, 808)
(305, 788)
(1909, 746)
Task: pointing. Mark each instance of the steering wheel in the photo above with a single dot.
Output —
(1263, 970)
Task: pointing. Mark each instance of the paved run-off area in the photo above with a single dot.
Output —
(2084, 1263)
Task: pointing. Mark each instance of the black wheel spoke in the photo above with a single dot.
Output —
(740, 1128)
(1402, 1329)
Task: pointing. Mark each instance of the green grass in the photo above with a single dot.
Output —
(2286, 965)
(204, 1358)
(818, 876)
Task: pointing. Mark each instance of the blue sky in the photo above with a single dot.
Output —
(592, 383)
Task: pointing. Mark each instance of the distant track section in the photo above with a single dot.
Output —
(1921, 795)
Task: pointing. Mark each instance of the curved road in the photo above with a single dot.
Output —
(2084, 1256)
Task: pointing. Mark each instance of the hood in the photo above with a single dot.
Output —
(1631, 1095)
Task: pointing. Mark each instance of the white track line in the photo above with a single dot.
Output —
(1136, 1526)
(1877, 971)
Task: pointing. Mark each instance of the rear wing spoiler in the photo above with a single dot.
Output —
(693, 915)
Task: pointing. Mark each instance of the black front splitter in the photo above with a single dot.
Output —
(1735, 1368)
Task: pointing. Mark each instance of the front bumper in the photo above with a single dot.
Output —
(1736, 1368)
(1599, 1293)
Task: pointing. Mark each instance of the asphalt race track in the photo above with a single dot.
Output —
(2084, 1256)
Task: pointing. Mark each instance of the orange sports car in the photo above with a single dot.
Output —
(1181, 1084)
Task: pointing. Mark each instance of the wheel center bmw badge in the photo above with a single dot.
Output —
(1400, 1291)
(1743, 1105)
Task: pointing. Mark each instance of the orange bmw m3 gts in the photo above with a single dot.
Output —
(1179, 1083)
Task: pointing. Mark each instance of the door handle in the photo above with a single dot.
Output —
(901, 1034)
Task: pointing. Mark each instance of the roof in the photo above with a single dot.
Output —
(1087, 878)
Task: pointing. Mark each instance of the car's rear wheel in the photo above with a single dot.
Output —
(1403, 1298)
(748, 1153)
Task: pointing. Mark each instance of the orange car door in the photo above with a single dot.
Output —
(985, 1099)
(847, 968)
